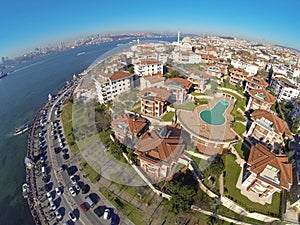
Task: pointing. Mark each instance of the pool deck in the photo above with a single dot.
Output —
(218, 134)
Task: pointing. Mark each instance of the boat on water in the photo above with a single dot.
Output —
(2, 75)
(80, 53)
(22, 129)
(25, 190)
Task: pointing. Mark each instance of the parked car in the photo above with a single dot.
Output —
(106, 214)
(114, 219)
(72, 216)
(58, 191)
(73, 193)
(84, 207)
(58, 215)
(49, 196)
(89, 201)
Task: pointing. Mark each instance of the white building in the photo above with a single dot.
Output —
(148, 67)
(250, 68)
(108, 86)
(284, 89)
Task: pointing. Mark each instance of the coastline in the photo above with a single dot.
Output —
(32, 153)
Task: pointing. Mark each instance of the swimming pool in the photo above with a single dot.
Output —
(215, 115)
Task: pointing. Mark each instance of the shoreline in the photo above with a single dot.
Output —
(33, 153)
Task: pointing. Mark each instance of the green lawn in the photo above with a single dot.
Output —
(240, 102)
(66, 118)
(196, 94)
(232, 172)
(130, 211)
(188, 106)
(239, 128)
(92, 174)
(168, 116)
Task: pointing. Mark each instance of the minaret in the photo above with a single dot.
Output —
(178, 37)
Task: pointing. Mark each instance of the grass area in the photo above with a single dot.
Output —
(66, 118)
(196, 94)
(201, 101)
(130, 211)
(233, 87)
(239, 128)
(92, 174)
(242, 150)
(136, 110)
(238, 116)
(190, 106)
(232, 172)
(240, 103)
(168, 116)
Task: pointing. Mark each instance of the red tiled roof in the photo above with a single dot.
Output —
(119, 75)
(257, 80)
(135, 124)
(154, 78)
(260, 156)
(184, 83)
(148, 61)
(269, 98)
(234, 70)
(279, 125)
(156, 92)
(155, 147)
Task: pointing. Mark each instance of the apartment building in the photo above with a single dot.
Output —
(179, 88)
(267, 172)
(154, 101)
(158, 152)
(267, 127)
(260, 99)
(199, 79)
(255, 83)
(284, 89)
(237, 75)
(148, 67)
(108, 86)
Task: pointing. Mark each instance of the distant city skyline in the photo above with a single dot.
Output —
(30, 24)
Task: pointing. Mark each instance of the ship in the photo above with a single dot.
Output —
(22, 129)
(25, 190)
(2, 75)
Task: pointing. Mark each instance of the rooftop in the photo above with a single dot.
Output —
(262, 94)
(270, 167)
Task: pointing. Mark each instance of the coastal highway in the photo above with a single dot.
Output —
(69, 203)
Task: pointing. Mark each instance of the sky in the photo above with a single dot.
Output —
(26, 24)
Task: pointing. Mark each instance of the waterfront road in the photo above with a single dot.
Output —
(60, 178)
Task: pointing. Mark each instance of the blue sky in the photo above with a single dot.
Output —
(31, 23)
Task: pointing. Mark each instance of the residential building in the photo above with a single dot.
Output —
(255, 82)
(284, 89)
(237, 75)
(128, 128)
(295, 110)
(108, 86)
(250, 68)
(154, 101)
(215, 71)
(267, 172)
(156, 80)
(148, 67)
(185, 57)
(179, 89)
(199, 79)
(158, 152)
(267, 127)
(260, 99)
